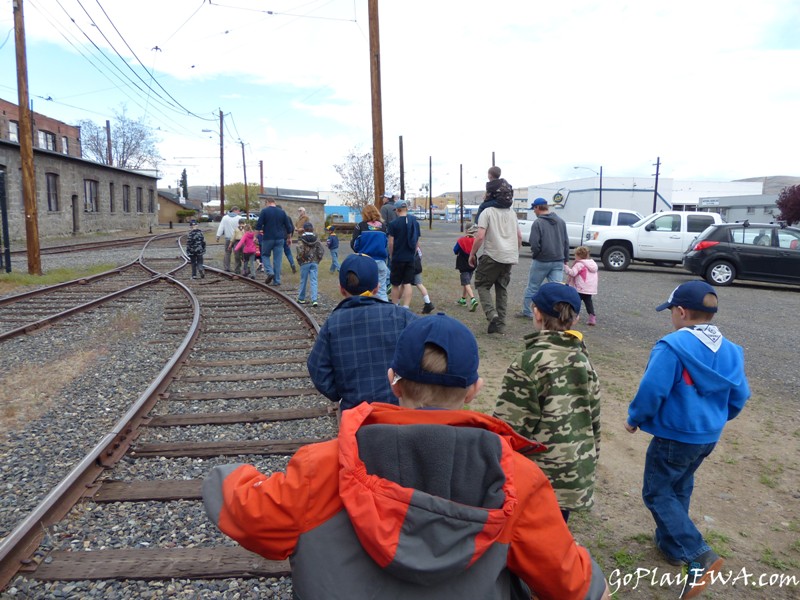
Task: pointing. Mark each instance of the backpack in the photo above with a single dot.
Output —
(319, 252)
(504, 194)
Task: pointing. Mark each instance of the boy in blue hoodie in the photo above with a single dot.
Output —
(693, 385)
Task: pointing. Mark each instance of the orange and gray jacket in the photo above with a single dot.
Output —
(418, 504)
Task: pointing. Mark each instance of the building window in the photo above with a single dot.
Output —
(13, 131)
(139, 199)
(89, 195)
(111, 196)
(751, 210)
(151, 201)
(64, 144)
(767, 210)
(47, 140)
(126, 198)
(52, 191)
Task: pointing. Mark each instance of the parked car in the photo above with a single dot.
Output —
(755, 251)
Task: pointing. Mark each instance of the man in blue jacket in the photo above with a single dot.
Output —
(693, 385)
(277, 228)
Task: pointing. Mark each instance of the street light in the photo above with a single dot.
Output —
(600, 175)
(221, 164)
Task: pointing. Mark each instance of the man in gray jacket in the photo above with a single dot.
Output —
(549, 249)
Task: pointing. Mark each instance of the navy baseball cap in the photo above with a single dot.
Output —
(539, 202)
(363, 267)
(552, 293)
(690, 295)
(449, 334)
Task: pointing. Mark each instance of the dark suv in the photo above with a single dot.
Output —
(761, 252)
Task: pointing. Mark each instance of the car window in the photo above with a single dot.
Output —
(698, 223)
(601, 217)
(668, 223)
(789, 239)
(627, 219)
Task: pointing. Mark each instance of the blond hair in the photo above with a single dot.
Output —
(421, 395)
(565, 319)
(581, 252)
(703, 316)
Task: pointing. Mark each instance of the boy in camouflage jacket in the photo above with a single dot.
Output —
(551, 393)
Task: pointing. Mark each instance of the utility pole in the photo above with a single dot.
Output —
(461, 194)
(246, 198)
(655, 191)
(221, 167)
(26, 146)
(402, 173)
(261, 173)
(430, 192)
(377, 115)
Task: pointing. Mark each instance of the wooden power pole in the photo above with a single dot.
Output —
(26, 146)
(377, 114)
(221, 166)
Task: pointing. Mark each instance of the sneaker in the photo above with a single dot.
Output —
(473, 305)
(294, 269)
(592, 320)
(699, 573)
(462, 302)
(301, 301)
(675, 562)
(268, 279)
(203, 274)
(314, 304)
(194, 276)
(428, 308)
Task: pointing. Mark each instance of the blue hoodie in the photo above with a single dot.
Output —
(689, 391)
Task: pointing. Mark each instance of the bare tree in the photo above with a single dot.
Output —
(133, 144)
(789, 204)
(358, 178)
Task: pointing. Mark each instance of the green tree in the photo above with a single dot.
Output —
(789, 204)
(234, 196)
(133, 143)
(185, 184)
(358, 178)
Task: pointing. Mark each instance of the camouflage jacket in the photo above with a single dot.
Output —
(551, 394)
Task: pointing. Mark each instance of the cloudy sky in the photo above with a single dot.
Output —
(709, 86)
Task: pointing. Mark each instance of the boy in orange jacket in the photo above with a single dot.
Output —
(411, 503)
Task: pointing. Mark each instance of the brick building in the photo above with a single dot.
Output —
(73, 195)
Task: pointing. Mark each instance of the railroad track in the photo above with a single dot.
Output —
(235, 386)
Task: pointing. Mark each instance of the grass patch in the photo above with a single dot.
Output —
(769, 558)
(771, 474)
(12, 281)
(625, 559)
(720, 542)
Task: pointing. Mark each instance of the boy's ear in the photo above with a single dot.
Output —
(473, 390)
(396, 386)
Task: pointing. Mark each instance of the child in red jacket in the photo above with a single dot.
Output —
(462, 250)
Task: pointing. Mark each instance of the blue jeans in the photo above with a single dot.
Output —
(308, 272)
(275, 249)
(667, 489)
(540, 270)
(334, 260)
(287, 250)
(383, 276)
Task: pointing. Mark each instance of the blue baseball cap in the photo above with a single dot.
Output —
(539, 202)
(690, 295)
(449, 334)
(552, 293)
(363, 267)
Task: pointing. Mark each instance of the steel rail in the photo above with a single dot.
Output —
(20, 544)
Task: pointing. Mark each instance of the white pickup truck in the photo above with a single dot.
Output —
(661, 238)
(596, 218)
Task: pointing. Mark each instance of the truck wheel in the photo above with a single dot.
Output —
(720, 272)
(617, 258)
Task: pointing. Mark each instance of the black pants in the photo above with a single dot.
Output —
(587, 301)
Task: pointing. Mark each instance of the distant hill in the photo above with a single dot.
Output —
(774, 184)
